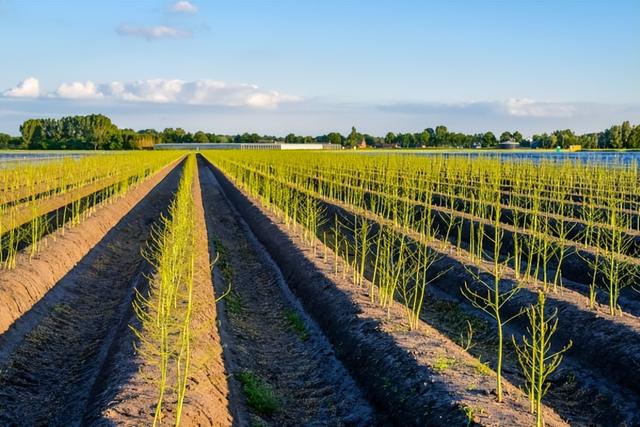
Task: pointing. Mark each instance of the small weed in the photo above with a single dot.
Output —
(570, 379)
(442, 363)
(61, 308)
(233, 303)
(257, 422)
(467, 327)
(471, 387)
(259, 394)
(482, 368)
(471, 412)
(400, 328)
(222, 263)
(295, 322)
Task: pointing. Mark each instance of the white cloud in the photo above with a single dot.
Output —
(28, 88)
(152, 33)
(183, 7)
(512, 107)
(529, 108)
(311, 116)
(78, 90)
(174, 91)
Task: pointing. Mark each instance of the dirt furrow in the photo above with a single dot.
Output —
(49, 376)
(596, 367)
(416, 378)
(270, 345)
(609, 343)
(127, 392)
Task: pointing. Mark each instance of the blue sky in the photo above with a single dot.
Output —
(311, 67)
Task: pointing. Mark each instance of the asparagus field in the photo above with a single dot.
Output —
(319, 288)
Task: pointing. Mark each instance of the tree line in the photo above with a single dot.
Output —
(616, 137)
(96, 131)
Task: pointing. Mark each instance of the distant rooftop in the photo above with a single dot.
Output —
(509, 144)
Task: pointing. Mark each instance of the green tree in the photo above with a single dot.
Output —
(489, 140)
(625, 131)
(97, 129)
(424, 138)
(517, 136)
(354, 138)
(634, 137)
(406, 140)
(4, 140)
(565, 138)
(200, 138)
(187, 138)
(441, 136)
(172, 136)
(128, 139)
(31, 129)
(290, 139)
(335, 138)
(17, 142)
(589, 140)
(460, 140)
(604, 139)
(615, 140)
(505, 136)
(115, 141)
(390, 138)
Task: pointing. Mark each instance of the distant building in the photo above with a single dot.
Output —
(144, 141)
(508, 145)
(257, 146)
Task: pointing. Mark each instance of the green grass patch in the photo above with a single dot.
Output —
(233, 303)
(296, 323)
(222, 263)
(61, 309)
(482, 368)
(259, 393)
(442, 363)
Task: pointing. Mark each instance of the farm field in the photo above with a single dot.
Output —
(319, 288)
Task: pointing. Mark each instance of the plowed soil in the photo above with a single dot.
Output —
(310, 385)
(49, 375)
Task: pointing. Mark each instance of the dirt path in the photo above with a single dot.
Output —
(49, 376)
(269, 343)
